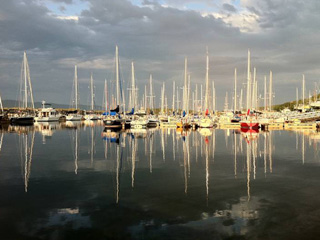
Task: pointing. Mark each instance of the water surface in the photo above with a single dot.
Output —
(76, 181)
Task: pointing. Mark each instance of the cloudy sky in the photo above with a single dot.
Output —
(283, 36)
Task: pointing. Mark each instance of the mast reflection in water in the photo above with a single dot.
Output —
(168, 183)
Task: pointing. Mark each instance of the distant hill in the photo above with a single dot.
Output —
(14, 103)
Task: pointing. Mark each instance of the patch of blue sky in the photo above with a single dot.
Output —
(73, 9)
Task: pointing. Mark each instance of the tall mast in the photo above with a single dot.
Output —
(92, 92)
(105, 95)
(151, 93)
(188, 96)
(117, 78)
(162, 99)
(185, 84)
(206, 104)
(1, 106)
(76, 86)
(270, 91)
(201, 98)
(145, 97)
(265, 93)
(196, 99)
(25, 80)
(178, 100)
(254, 90)
(235, 89)
(249, 83)
(173, 96)
(303, 90)
(133, 87)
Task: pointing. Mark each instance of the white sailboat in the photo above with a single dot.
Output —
(184, 121)
(91, 116)
(25, 115)
(206, 121)
(75, 116)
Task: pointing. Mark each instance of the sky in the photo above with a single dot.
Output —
(282, 35)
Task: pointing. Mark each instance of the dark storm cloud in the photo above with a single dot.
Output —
(157, 38)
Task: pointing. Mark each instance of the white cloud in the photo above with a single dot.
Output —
(72, 18)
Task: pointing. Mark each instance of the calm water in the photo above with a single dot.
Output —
(75, 181)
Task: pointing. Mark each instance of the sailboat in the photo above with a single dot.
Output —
(206, 121)
(250, 123)
(139, 119)
(74, 116)
(184, 123)
(114, 121)
(91, 116)
(152, 120)
(25, 116)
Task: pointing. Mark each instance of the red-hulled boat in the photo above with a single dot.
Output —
(250, 123)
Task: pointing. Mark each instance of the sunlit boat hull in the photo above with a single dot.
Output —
(74, 117)
(249, 125)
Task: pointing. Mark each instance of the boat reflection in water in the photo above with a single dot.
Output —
(26, 144)
(212, 182)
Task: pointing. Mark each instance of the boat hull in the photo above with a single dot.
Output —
(47, 119)
(112, 123)
(22, 120)
(74, 118)
(249, 125)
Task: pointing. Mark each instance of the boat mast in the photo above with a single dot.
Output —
(173, 96)
(303, 90)
(76, 85)
(145, 97)
(117, 78)
(248, 83)
(151, 93)
(106, 95)
(206, 106)
(188, 91)
(25, 80)
(185, 84)
(265, 93)
(133, 87)
(270, 91)
(254, 90)
(162, 99)
(1, 106)
(235, 89)
(92, 93)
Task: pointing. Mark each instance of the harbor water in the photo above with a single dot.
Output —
(79, 181)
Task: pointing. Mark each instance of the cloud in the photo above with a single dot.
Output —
(229, 7)
(280, 34)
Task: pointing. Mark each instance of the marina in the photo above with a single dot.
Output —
(159, 119)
